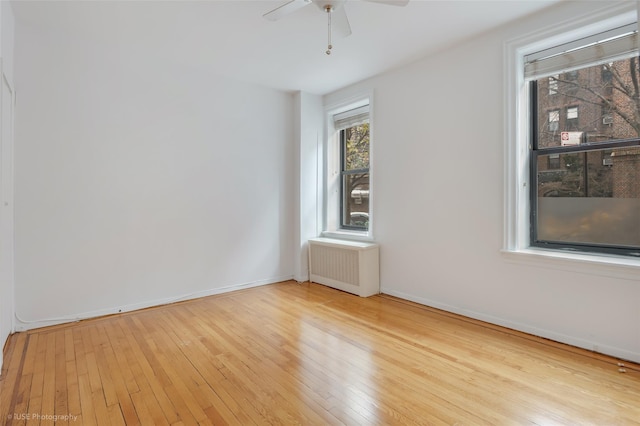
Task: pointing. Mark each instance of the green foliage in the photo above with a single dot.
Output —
(357, 147)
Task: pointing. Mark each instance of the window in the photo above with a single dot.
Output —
(607, 79)
(553, 84)
(571, 76)
(585, 180)
(354, 147)
(348, 156)
(554, 120)
(572, 118)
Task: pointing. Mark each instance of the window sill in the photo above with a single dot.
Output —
(348, 235)
(604, 265)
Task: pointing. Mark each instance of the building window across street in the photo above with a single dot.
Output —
(554, 120)
(585, 163)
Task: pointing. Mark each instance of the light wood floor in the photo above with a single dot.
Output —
(293, 353)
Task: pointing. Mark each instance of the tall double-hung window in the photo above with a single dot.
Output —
(585, 144)
(354, 144)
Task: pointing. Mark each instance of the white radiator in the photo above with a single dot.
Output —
(346, 265)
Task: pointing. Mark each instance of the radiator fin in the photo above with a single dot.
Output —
(350, 266)
(336, 263)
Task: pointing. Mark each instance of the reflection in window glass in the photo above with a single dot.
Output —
(592, 198)
(554, 120)
(553, 84)
(357, 200)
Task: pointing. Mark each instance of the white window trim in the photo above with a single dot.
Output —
(516, 238)
(331, 220)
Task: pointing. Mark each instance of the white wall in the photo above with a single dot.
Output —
(439, 201)
(140, 182)
(6, 174)
(309, 133)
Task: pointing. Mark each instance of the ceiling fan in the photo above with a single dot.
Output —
(333, 8)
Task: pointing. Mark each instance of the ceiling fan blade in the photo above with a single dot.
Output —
(285, 9)
(340, 22)
(391, 2)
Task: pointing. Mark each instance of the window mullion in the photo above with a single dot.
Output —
(355, 171)
(533, 160)
(590, 146)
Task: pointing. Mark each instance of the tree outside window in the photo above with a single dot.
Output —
(355, 176)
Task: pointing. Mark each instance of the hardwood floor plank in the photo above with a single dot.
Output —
(73, 388)
(12, 397)
(116, 417)
(123, 358)
(60, 401)
(203, 374)
(294, 353)
(121, 396)
(275, 367)
(34, 404)
(149, 383)
(100, 408)
(184, 413)
(88, 416)
(21, 395)
(108, 376)
(144, 413)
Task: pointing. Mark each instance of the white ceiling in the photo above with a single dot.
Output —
(231, 38)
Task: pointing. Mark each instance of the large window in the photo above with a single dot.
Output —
(585, 161)
(354, 140)
(354, 144)
(348, 196)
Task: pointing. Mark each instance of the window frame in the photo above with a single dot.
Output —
(332, 226)
(536, 151)
(570, 121)
(553, 84)
(516, 245)
(344, 173)
(554, 113)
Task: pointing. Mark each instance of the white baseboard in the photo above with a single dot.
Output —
(24, 325)
(525, 328)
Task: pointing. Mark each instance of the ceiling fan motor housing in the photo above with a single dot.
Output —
(329, 5)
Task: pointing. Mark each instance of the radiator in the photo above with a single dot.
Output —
(350, 266)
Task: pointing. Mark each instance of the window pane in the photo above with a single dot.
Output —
(357, 147)
(593, 198)
(602, 221)
(554, 120)
(356, 202)
(600, 103)
(553, 85)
